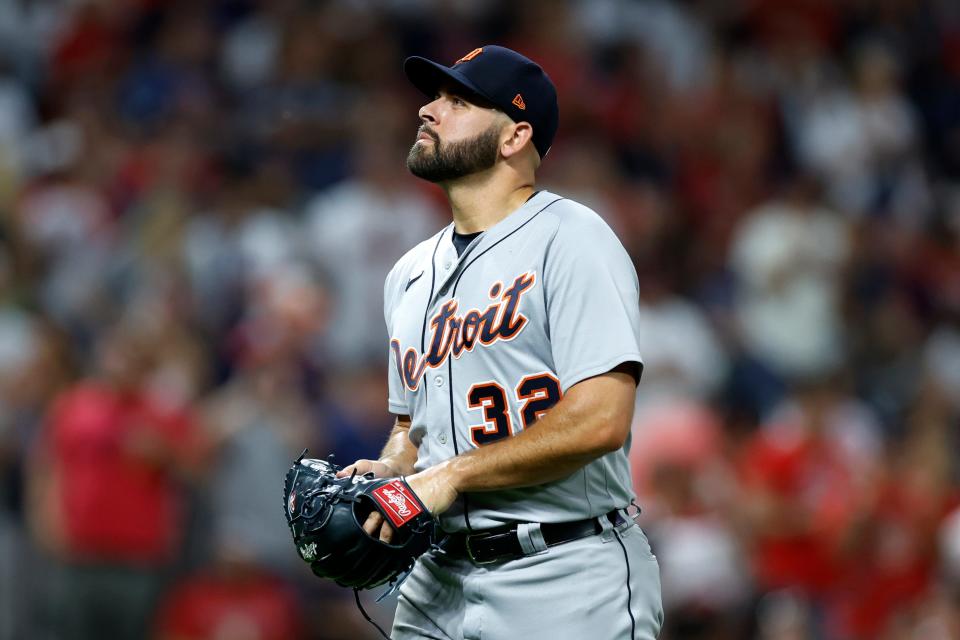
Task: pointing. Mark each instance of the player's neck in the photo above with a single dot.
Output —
(479, 202)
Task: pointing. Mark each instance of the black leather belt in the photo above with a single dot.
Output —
(503, 544)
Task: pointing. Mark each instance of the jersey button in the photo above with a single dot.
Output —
(442, 438)
(447, 265)
(438, 381)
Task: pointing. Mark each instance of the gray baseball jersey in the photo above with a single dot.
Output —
(483, 344)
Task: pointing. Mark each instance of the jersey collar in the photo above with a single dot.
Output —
(508, 225)
(447, 254)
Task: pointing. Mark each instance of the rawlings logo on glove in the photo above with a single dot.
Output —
(396, 504)
(326, 514)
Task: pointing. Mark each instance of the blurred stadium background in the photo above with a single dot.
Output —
(199, 201)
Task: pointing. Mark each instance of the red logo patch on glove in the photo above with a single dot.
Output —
(398, 502)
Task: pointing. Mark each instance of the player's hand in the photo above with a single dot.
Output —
(433, 488)
(379, 468)
(375, 522)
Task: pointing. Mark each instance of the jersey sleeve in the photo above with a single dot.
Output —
(396, 398)
(592, 299)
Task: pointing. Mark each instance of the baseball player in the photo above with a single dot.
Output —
(514, 359)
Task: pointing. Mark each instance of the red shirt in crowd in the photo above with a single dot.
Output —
(211, 606)
(117, 503)
(893, 568)
(812, 483)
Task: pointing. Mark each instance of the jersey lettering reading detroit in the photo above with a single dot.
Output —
(454, 334)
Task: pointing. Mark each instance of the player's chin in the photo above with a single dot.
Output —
(422, 147)
(420, 159)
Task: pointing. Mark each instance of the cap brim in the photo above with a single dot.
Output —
(429, 77)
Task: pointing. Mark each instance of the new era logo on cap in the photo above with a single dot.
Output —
(519, 103)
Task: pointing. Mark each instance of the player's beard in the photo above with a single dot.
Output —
(445, 162)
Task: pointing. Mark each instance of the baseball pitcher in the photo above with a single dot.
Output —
(514, 359)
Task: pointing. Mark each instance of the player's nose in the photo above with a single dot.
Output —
(428, 112)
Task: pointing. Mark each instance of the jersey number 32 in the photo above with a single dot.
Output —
(537, 392)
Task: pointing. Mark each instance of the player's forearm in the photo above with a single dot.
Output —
(533, 457)
(399, 453)
(580, 428)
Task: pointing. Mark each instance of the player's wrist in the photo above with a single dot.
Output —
(395, 467)
(448, 473)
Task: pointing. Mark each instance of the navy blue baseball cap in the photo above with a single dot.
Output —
(502, 77)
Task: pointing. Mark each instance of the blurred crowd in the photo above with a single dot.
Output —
(199, 201)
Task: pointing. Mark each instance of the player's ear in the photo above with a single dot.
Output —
(517, 135)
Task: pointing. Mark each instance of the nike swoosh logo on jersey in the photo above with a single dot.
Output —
(412, 280)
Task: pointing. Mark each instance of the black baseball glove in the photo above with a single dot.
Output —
(326, 515)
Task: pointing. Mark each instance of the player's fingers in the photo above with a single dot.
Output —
(386, 533)
(361, 467)
(373, 522)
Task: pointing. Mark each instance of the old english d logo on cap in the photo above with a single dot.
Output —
(470, 56)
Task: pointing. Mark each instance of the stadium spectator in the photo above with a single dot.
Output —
(107, 492)
(788, 257)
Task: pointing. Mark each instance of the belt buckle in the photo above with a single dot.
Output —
(473, 558)
(469, 548)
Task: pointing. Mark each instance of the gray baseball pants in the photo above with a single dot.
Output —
(602, 587)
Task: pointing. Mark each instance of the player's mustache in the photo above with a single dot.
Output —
(430, 132)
